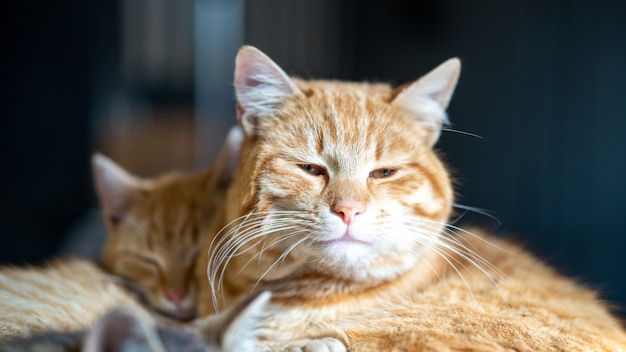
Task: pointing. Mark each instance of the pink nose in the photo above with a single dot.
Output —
(348, 212)
(176, 296)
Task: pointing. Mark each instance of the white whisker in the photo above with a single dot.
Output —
(481, 211)
(461, 132)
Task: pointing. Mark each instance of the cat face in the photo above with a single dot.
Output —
(154, 233)
(338, 178)
(157, 227)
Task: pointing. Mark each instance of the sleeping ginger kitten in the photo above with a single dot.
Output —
(154, 227)
(153, 240)
(340, 208)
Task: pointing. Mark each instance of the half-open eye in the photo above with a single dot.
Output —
(382, 173)
(313, 169)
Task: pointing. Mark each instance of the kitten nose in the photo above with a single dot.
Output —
(176, 296)
(348, 211)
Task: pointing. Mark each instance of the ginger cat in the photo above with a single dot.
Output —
(340, 208)
(155, 225)
(153, 240)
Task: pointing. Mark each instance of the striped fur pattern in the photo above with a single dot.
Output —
(155, 226)
(340, 207)
(154, 239)
(154, 233)
(65, 295)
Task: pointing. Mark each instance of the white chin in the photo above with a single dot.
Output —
(347, 255)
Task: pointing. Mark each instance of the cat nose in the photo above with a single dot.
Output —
(176, 296)
(348, 211)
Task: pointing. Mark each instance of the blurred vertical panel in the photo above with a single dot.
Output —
(218, 34)
(157, 46)
(311, 39)
(143, 116)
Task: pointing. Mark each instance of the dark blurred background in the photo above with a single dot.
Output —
(148, 82)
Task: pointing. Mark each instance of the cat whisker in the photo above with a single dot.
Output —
(224, 242)
(476, 210)
(454, 246)
(461, 132)
(463, 249)
(281, 258)
(238, 236)
(426, 240)
(233, 248)
(450, 228)
(280, 239)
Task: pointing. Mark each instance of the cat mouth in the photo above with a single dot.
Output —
(347, 238)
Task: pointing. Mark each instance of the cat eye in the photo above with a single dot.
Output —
(149, 261)
(313, 170)
(382, 173)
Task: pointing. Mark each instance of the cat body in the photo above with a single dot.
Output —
(64, 295)
(340, 208)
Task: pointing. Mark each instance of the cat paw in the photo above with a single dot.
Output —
(328, 344)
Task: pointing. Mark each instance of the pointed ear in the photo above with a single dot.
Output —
(236, 327)
(429, 96)
(122, 330)
(261, 86)
(116, 189)
(227, 160)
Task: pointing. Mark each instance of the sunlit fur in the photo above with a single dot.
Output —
(394, 275)
(73, 305)
(66, 295)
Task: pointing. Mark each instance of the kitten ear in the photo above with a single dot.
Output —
(429, 96)
(235, 328)
(122, 330)
(228, 159)
(115, 188)
(261, 86)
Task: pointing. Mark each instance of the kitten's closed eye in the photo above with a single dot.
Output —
(139, 266)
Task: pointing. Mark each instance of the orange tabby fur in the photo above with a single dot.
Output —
(153, 238)
(339, 207)
(155, 226)
(72, 305)
(65, 295)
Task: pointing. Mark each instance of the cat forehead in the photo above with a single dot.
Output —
(345, 94)
(336, 116)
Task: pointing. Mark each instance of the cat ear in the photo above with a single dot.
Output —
(236, 327)
(429, 96)
(261, 86)
(122, 330)
(116, 189)
(228, 159)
